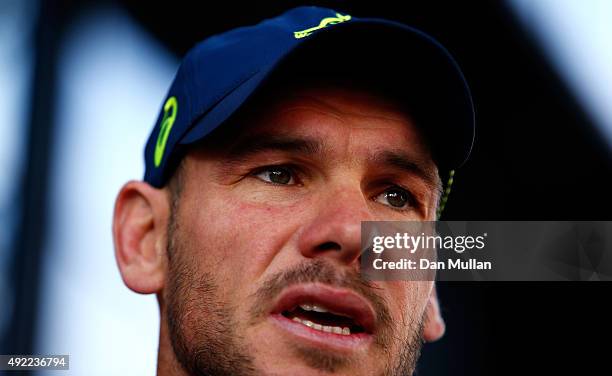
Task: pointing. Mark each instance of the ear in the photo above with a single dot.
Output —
(434, 324)
(139, 233)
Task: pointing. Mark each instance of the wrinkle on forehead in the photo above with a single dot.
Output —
(368, 119)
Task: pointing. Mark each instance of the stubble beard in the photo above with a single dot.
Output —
(202, 327)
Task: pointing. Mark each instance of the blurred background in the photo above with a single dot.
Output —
(81, 83)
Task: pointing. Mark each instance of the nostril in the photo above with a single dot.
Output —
(329, 246)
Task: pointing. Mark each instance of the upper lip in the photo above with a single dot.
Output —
(338, 300)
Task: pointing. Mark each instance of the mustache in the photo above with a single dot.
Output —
(320, 271)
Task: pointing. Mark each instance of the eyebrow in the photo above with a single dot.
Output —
(265, 142)
(407, 163)
(273, 142)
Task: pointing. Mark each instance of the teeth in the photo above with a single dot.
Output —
(313, 307)
(324, 328)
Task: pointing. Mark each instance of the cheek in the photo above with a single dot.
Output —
(409, 298)
(237, 238)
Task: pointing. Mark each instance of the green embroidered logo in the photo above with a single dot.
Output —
(324, 23)
(170, 109)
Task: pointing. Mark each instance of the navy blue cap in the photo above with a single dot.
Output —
(219, 74)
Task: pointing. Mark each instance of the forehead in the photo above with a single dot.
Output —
(340, 113)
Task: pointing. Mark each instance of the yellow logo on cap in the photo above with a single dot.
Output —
(323, 24)
(170, 109)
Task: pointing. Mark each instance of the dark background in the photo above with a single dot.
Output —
(537, 157)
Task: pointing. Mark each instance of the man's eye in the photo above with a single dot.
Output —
(276, 175)
(396, 197)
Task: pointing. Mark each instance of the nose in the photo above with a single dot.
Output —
(335, 231)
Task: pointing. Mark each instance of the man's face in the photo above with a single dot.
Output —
(264, 240)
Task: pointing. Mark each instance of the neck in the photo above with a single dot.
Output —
(167, 364)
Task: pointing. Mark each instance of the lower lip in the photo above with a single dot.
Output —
(330, 341)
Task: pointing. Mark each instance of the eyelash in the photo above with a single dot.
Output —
(294, 171)
(411, 200)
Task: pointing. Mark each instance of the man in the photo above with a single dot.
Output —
(274, 143)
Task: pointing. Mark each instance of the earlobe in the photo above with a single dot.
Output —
(434, 327)
(139, 234)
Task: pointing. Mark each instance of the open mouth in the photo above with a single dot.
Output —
(319, 317)
(325, 316)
